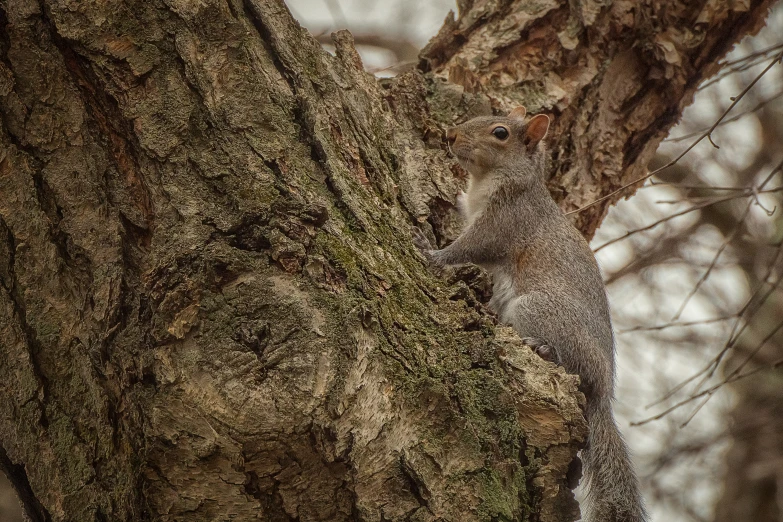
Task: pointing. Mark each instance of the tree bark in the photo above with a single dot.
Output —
(210, 305)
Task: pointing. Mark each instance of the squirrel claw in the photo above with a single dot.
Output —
(420, 240)
(542, 349)
(425, 247)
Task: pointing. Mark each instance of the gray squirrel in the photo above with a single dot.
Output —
(546, 284)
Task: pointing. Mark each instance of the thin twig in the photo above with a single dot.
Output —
(711, 390)
(727, 120)
(755, 351)
(675, 324)
(747, 192)
(736, 371)
(734, 335)
(763, 53)
(654, 184)
(714, 261)
(696, 410)
(746, 62)
(725, 243)
(694, 208)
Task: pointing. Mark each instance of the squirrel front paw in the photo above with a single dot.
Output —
(420, 240)
(542, 349)
(425, 247)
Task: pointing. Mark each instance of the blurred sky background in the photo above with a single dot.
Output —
(722, 257)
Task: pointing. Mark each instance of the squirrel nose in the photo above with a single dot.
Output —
(451, 135)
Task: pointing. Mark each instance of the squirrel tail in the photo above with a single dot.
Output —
(612, 487)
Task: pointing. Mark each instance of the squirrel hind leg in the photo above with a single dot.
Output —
(543, 349)
(604, 511)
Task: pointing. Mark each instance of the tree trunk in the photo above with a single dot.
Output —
(210, 305)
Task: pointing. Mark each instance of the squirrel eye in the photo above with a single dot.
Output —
(500, 133)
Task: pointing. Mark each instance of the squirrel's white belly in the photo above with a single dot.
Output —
(504, 297)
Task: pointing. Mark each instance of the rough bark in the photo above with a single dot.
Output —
(210, 306)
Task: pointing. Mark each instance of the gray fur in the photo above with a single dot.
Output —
(547, 286)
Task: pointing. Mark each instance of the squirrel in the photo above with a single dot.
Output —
(546, 284)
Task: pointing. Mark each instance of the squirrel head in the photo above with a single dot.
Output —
(492, 143)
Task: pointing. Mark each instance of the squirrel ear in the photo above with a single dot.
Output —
(536, 130)
(518, 113)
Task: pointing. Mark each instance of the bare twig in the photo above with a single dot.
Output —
(736, 117)
(675, 325)
(725, 243)
(747, 192)
(741, 64)
(694, 208)
(763, 53)
(756, 350)
(696, 410)
(714, 261)
(654, 184)
(735, 333)
(709, 391)
(735, 372)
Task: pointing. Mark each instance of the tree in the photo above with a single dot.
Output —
(210, 305)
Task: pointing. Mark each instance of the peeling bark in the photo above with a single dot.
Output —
(209, 303)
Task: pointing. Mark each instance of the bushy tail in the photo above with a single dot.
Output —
(612, 487)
